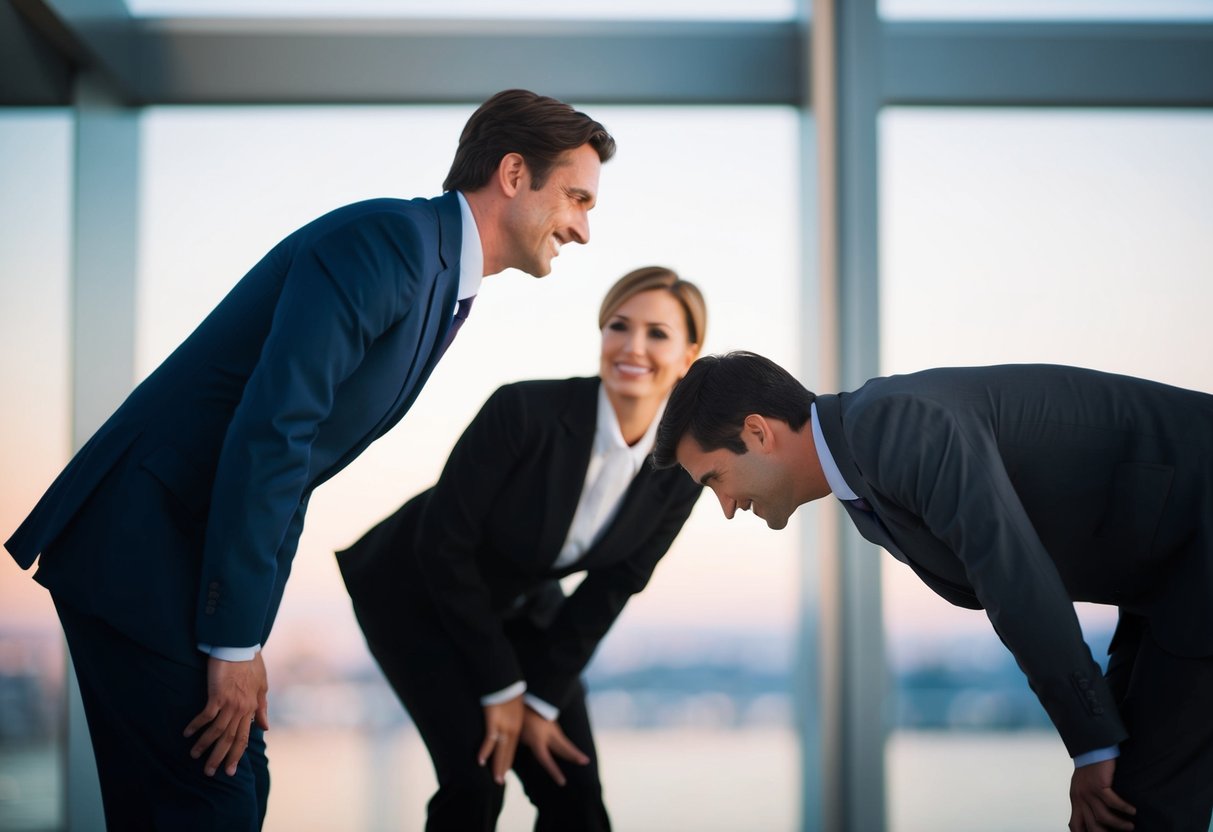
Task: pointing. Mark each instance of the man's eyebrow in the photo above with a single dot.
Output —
(581, 194)
(710, 475)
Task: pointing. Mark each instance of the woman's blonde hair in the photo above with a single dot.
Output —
(658, 277)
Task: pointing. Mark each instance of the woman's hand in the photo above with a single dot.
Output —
(502, 725)
(545, 739)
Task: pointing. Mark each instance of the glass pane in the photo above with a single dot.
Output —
(469, 9)
(35, 243)
(1054, 10)
(221, 185)
(1070, 237)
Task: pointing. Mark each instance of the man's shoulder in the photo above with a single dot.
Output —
(408, 228)
(420, 211)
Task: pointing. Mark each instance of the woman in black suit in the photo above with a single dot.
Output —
(459, 591)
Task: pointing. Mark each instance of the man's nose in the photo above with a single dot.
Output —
(728, 505)
(579, 229)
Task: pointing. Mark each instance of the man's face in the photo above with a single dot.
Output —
(538, 223)
(756, 481)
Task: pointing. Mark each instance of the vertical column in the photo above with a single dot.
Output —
(104, 232)
(845, 102)
(823, 749)
(816, 682)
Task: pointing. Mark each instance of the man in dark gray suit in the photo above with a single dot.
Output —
(1017, 490)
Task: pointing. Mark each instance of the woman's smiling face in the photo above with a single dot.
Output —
(646, 348)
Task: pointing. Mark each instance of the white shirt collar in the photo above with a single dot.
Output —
(471, 255)
(828, 466)
(609, 437)
(612, 467)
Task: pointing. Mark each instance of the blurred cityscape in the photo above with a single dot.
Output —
(667, 685)
(638, 680)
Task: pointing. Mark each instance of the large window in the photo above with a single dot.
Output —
(35, 200)
(1051, 10)
(1069, 237)
(485, 9)
(690, 691)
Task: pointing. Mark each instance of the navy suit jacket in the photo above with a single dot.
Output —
(477, 550)
(1019, 489)
(178, 520)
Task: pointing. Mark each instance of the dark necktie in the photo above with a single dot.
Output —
(461, 315)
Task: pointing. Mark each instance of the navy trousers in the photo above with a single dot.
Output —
(137, 703)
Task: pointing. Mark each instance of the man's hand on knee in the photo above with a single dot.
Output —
(236, 699)
(1094, 807)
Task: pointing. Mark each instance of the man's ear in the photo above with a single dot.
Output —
(759, 429)
(511, 173)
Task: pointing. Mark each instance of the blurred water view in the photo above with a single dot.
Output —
(691, 727)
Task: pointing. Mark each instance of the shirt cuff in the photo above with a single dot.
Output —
(504, 695)
(549, 712)
(230, 654)
(1097, 756)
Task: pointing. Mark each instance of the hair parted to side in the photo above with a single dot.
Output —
(658, 277)
(519, 121)
(711, 402)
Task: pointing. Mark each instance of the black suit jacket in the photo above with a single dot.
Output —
(1019, 489)
(477, 550)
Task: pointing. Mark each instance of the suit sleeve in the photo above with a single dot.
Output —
(452, 530)
(951, 475)
(339, 293)
(553, 658)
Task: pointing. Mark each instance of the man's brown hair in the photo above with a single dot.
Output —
(538, 128)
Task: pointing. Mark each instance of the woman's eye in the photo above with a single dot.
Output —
(617, 326)
(659, 334)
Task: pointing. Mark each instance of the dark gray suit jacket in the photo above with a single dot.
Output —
(1019, 489)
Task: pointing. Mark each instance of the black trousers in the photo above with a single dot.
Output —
(1165, 767)
(432, 681)
(137, 703)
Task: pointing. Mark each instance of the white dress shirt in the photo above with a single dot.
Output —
(613, 466)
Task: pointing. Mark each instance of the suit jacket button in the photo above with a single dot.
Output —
(210, 609)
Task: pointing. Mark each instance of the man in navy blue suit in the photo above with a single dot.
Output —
(167, 541)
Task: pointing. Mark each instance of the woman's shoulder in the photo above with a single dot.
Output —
(549, 391)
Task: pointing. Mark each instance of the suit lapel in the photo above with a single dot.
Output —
(425, 337)
(829, 412)
(873, 530)
(636, 503)
(442, 302)
(438, 307)
(571, 447)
